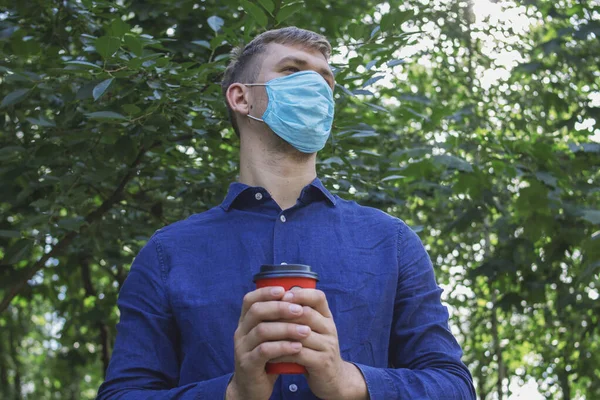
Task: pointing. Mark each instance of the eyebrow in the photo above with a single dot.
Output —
(301, 62)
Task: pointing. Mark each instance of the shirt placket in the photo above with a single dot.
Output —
(281, 237)
(290, 386)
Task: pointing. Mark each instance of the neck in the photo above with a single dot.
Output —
(283, 172)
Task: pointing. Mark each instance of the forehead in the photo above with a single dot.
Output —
(276, 52)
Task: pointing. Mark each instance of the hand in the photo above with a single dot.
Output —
(329, 376)
(261, 336)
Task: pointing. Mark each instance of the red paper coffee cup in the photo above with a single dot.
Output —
(287, 276)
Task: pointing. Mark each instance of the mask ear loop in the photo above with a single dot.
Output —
(248, 115)
(254, 118)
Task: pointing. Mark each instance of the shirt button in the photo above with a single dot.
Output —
(282, 218)
(258, 196)
(293, 388)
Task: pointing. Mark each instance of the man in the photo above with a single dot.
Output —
(193, 327)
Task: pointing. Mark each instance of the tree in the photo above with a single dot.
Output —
(114, 126)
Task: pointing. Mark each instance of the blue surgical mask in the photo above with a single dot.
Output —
(300, 109)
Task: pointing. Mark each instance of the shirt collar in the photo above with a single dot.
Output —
(236, 189)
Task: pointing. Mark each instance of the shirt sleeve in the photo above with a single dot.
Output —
(145, 363)
(425, 355)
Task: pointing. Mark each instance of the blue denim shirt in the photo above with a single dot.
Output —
(181, 302)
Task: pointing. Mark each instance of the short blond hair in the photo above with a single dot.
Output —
(244, 67)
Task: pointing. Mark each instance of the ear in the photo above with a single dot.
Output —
(237, 98)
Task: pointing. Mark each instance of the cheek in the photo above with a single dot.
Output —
(260, 103)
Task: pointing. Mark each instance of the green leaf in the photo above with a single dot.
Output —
(131, 109)
(530, 67)
(14, 97)
(386, 22)
(374, 32)
(215, 23)
(224, 56)
(134, 44)
(371, 64)
(106, 115)
(547, 178)
(41, 121)
(18, 251)
(162, 62)
(268, 5)
(125, 149)
(364, 134)
(71, 224)
(589, 271)
(101, 88)
(106, 46)
(84, 64)
(392, 178)
(85, 91)
(255, 12)
(118, 28)
(202, 43)
(450, 161)
(135, 63)
(393, 63)
(415, 98)
(356, 30)
(394, 19)
(288, 10)
(591, 147)
(333, 160)
(376, 107)
(10, 152)
(372, 80)
(363, 92)
(585, 147)
(592, 216)
(344, 89)
(9, 234)
(417, 228)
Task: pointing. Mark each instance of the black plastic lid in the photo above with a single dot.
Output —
(284, 271)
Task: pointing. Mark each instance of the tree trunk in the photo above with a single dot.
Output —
(14, 345)
(565, 386)
(101, 325)
(481, 392)
(497, 349)
(3, 366)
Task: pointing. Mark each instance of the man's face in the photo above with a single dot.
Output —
(282, 60)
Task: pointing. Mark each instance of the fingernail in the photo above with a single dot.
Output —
(276, 291)
(303, 330)
(295, 308)
(296, 345)
(288, 296)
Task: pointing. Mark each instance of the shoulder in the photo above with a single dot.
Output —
(384, 221)
(193, 226)
(354, 209)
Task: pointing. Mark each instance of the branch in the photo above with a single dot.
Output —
(29, 272)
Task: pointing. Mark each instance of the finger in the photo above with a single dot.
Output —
(316, 321)
(268, 311)
(262, 294)
(274, 331)
(316, 341)
(267, 351)
(309, 297)
(309, 358)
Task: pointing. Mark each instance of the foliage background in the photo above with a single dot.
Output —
(112, 126)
